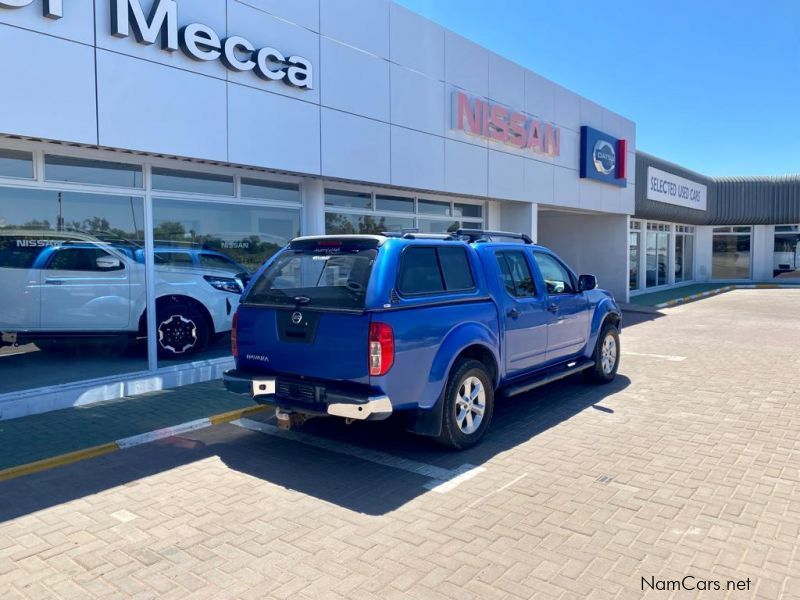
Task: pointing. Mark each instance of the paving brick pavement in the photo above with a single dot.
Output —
(37, 437)
(688, 464)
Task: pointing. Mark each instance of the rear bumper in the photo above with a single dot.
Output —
(328, 401)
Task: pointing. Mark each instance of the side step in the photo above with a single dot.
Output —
(526, 386)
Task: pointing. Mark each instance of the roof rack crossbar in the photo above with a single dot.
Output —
(416, 235)
(478, 235)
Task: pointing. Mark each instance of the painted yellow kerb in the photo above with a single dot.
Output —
(236, 414)
(79, 455)
(57, 461)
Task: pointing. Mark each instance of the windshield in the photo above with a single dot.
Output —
(306, 277)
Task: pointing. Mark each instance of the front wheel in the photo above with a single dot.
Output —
(606, 356)
(181, 330)
(468, 405)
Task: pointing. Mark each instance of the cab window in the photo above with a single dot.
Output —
(174, 259)
(80, 259)
(517, 276)
(557, 278)
(213, 261)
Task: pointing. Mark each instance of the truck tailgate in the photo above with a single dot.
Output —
(321, 344)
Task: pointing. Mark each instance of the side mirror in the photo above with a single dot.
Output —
(586, 283)
(108, 263)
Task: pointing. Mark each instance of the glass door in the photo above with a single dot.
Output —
(657, 258)
(684, 257)
(633, 261)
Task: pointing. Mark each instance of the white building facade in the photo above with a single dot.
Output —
(175, 134)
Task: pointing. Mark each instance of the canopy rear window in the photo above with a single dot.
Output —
(322, 275)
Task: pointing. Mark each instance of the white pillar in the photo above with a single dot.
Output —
(703, 244)
(493, 215)
(312, 193)
(762, 252)
(520, 217)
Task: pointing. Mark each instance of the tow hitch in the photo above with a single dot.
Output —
(287, 420)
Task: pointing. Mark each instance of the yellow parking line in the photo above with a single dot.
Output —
(57, 461)
(236, 414)
(95, 451)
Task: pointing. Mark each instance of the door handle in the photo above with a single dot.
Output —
(553, 308)
(54, 281)
(513, 313)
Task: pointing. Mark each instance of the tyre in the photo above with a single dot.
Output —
(181, 330)
(605, 356)
(468, 405)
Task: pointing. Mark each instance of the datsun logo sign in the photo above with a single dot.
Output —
(603, 158)
(479, 117)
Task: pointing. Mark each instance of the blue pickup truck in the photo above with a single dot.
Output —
(430, 327)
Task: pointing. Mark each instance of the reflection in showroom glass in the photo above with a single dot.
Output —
(205, 254)
(73, 275)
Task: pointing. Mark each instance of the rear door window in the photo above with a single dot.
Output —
(517, 276)
(21, 252)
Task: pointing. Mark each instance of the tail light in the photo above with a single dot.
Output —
(381, 348)
(234, 335)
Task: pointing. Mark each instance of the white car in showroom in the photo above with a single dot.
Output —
(63, 287)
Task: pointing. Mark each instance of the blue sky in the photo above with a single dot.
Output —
(712, 85)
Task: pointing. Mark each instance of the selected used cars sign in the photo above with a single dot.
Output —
(672, 189)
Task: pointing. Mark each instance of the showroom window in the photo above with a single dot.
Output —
(73, 276)
(69, 169)
(657, 254)
(210, 251)
(786, 257)
(75, 237)
(684, 253)
(731, 253)
(192, 182)
(634, 245)
(349, 212)
(15, 163)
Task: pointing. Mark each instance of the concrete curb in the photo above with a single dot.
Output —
(727, 288)
(125, 443)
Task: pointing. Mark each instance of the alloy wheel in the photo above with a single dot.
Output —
(470, 405)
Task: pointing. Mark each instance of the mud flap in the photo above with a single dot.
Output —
(427, 421)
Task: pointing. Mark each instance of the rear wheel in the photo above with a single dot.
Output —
(181, 330)
(606, 356)
(468, 405)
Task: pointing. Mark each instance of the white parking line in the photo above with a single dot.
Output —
(443, 480)
(474, 503)
(668, 357)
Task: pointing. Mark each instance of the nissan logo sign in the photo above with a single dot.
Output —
(605, 157)
(297, 317)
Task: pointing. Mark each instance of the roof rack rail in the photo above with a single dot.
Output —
(414, 234)
(485, 235)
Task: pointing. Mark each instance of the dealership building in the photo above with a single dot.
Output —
(153, 151)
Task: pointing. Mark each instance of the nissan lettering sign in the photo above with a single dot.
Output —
(603, 157)
(497, 123)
